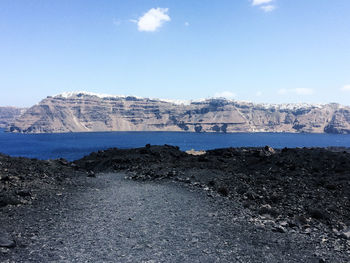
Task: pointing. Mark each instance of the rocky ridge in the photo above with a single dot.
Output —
(89, 112)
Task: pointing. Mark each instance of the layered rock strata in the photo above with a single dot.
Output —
(9, 114)
(86, 112)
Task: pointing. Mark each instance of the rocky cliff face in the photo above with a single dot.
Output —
(9, 114)
(86, 112)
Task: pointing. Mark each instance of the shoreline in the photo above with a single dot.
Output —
(73, 146)
(6, 130)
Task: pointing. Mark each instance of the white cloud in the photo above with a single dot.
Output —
(297, 91)
(261, 2)
(346, 88)
(265, 5)
(225, 94)
(153, 19)
(268, 8)
(258, 94)
(187, 24)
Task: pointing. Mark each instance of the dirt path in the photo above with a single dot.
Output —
(111, 219)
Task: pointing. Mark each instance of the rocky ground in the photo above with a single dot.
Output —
(299, 185)
(24, 180)
(298, 196)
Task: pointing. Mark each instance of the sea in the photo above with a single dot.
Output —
(73, 146)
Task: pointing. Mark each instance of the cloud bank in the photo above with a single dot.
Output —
(153, 19)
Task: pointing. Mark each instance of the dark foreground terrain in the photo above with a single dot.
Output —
(225, 205)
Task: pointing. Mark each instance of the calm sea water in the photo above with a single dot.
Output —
(73, 146)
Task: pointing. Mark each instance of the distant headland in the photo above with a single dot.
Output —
(91, 112)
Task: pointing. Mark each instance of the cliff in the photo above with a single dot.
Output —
(9, 114)
(88, 112)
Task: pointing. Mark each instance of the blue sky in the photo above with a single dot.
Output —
(257, 50)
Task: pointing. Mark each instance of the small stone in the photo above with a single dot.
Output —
(4, 177)
(187, 180)
(91, 174)
(251, 195)
(6, 240)
(9, 199)
(345, 234)
(279, 229)
(211, 183)
(24, 193)
(269, 149)
(300, 220)
(223, 191)
(62, 161)
(284, 224)
(267, 210)
(307, 231)
(317, 213)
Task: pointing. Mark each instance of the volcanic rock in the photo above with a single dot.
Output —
(8, 199)
(346, 234)
(292, 184)
(6, 240)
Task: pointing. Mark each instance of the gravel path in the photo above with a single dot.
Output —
(111, 219)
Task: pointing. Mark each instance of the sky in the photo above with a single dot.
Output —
(272, 51)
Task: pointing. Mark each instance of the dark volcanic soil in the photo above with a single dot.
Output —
(23, 180)
(302, 195)
(111, 219)
(299, 185)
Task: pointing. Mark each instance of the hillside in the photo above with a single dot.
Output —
(9, 114)
(89, 112)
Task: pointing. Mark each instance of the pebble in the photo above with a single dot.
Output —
(6, 240)
(279, 229)
(345, 234)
